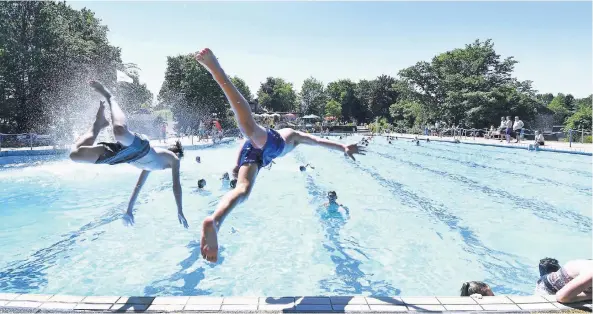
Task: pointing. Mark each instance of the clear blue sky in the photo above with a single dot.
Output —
(357, 40)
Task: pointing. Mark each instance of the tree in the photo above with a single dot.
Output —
(407, 114)
(382, 95)
(343, 91)
(242, 87)
(470, 85)
(312, 97)
(49, 53)
(581, 119)
(192, 94)
(558, 106)
(333, 109)
(132, 96)
(275, 94)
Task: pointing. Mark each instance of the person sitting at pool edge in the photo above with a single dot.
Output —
(539, 139)
(130, 148)
(475, 289)
(570, 283)
(259, 149)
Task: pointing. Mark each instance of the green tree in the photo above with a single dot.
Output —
(312, 97)
(132, 96)
(407, 114)
(560, 109)
(275, 94)
(581, 119)
(344, 92)
(382, 95)
(50, 52)
(242, 87)
(333, 109)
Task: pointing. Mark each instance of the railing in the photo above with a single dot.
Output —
(22, 140)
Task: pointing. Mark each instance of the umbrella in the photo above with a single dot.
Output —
(311, 116)
(330, 118)
(290, 116)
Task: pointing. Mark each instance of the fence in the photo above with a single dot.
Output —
(26, 140)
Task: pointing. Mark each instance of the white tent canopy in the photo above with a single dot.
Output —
(311, 116)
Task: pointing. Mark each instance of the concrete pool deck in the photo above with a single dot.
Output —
(551, 146)
(38, 303)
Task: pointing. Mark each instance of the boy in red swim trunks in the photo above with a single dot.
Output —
(259, 149)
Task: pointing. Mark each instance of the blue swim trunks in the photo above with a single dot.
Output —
(116, 153)
(264, 156)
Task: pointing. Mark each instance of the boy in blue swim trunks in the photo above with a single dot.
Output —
(259, 149)
(130, 148)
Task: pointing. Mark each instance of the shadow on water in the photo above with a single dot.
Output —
(26, 276)
(349, 278)
(492, 260)
(190, 279)
(539, 209)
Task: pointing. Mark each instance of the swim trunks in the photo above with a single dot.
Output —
(116, 153)
(262, 157)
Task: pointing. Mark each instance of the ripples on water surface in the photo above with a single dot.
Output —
(416, 221)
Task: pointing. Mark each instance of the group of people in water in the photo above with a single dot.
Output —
(569, 283)
(259, 148)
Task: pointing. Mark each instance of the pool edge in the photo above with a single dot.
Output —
(296, 304)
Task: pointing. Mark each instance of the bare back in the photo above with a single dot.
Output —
(156, 159)
(576, 267)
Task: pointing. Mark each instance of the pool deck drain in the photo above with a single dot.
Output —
(40, 303)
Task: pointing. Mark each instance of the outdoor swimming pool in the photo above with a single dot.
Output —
(422, 219)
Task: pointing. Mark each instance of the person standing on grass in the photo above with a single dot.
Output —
(259, 149)
(130, 148)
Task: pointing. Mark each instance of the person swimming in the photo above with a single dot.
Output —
(259, 149)
(475, 289)
(225, 176)
(198, 159)
(304, 168)
(332, 197)
(233, 183)
(570, 283)
(130, 148)
(201, 184)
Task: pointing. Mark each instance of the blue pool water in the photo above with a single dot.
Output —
(420, 221)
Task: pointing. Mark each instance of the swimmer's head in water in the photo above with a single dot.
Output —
(177, 148)
(389, 142)
(233, 183)
(201, 183)
(225, 176)
(475, 287)
(198, 159)
(302, 168)
(548, 265)
(332, 196)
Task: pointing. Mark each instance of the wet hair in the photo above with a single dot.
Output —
(201, 183)
(389, 142)
(225, 176)
(474, 287)
(233, 183)
(427, 139)
(177, 148)
(198, 159)
(548, 265)
(332, 194)
(302, 168)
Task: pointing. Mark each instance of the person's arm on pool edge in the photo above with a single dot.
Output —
(177, 192)
(573, 290)
(309, 139)
(129, 217)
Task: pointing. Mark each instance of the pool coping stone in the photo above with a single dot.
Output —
(297, 304)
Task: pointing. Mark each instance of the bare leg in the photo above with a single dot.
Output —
(118, 117)
(84, 151)
(210, 226)
(254, 132)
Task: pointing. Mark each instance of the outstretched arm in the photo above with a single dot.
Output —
(177, 192)
(309, 139)
(573, 291)
(129, 217)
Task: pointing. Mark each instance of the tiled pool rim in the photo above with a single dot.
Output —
(317, 304)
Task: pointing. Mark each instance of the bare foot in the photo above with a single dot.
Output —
(209, 242)
(207, 58)
(100, 89)
(101, 121)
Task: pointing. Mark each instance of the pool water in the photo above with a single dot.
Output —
(414, 220)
